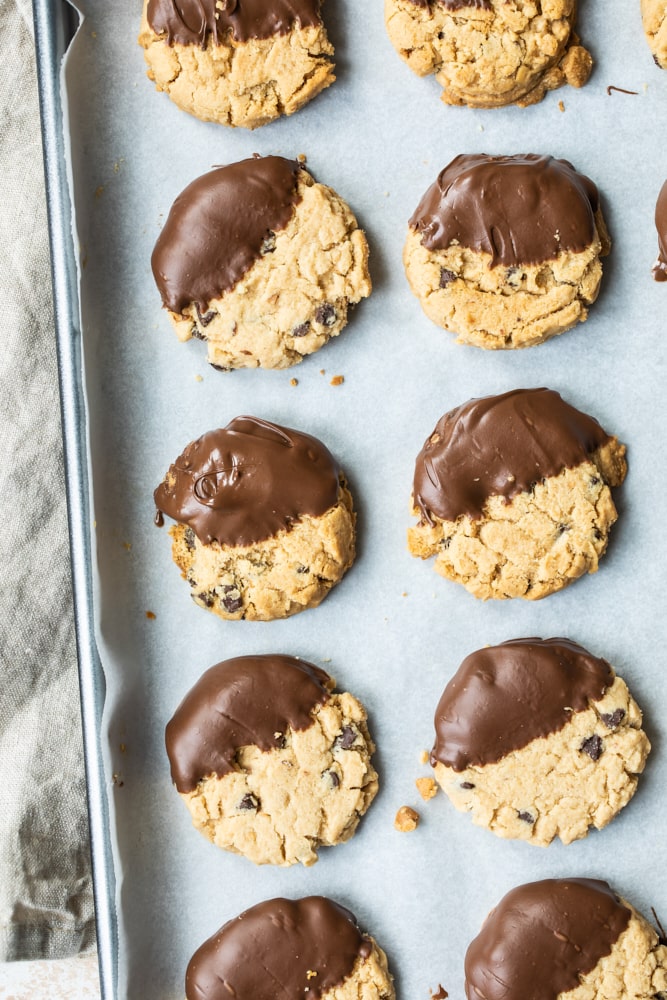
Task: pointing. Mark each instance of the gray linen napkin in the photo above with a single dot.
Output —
(46, 907)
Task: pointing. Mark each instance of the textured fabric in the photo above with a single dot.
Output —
(46, 905)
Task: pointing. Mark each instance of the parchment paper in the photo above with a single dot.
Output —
(392, 632)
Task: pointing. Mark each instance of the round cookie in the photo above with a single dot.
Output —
(505, 250)
(241, 62)
(272, 762)
(490, 53)
(513, 494)
(312, 948)
(660, 266)
(565, 939)
(265, 520)
(654, 19)
(261, 262)
(538, 739)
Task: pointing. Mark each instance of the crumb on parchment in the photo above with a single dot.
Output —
(337, 380)
(427, 788)
(423, 757)
(406, 819)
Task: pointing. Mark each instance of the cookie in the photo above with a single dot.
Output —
(505, 250)
(654, 19)
(565, 939)
(660, 266)
(261, 262)
(292, 948)
(490, 53)
(513, 494)
(538, 739)
(241, 62)
(265, 525)
(272, 762)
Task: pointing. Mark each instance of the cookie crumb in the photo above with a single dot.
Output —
(427, 788)
(310, 974)
(127, 546)
(294, 381)
(423, 757)
(301, 157)
(404, 594)
(199, 378)
(151, 616)
(337, 380)
(123, 748)
(99, 191)
(440, 994)
(406, 819)
(322, 371)
(561, 106)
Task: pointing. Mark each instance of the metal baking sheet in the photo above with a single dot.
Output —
(392, 632)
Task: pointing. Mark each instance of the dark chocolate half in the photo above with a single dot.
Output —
(245, 701)
(248, 481)
(542, 937)
(519, 209)
(217, 227)
(660, 266)
(281, 949)
(503, 697)
(193, 22)
(499, 446)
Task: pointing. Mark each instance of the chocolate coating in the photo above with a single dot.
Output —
(267, 952)
(542, 937)
(248, 481)
(519, 209)
(503, 697)
(660, 266)
(499, 446)
(217, 225)
(455, 5)
(245, 701)
(193, 22)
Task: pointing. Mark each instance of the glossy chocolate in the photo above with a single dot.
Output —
(454, 5)
(248, 481)
(193, 22)
(541, 938)
(245, 701)
(216, 228)
(499, 446)
(519, 209)
(503, 697)
(660, 266)
(281, 949)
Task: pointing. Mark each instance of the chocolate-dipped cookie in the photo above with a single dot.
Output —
(265, 525)
(242, 62)
(261, 262)
(538, 739)
(490, 53)
(513, 494)
(306, 948)
(654, 19)
(271, 761)
(505, 250)
(565, 939)
(660, 266)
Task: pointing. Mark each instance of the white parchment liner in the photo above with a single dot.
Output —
(393, 632)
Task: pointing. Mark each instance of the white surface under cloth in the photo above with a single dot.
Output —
(392, 632)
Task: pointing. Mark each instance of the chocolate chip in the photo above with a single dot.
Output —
(268, 243)
(332, 777)
(593, 747)
(526, 817)
(446, 276)
(303, 569)
(657, 62)
(248, 802)
(598, 534)
(562, 528)
(206, 598)
(301, 330)
(326, 315)
(613, 719)
(219, 368)
(467, 784)
(231, 599)
(346, 738)
(206, 318)
(595, 480)
(198, 334)
(189, 538)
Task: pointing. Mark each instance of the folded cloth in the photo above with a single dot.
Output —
(46, 907)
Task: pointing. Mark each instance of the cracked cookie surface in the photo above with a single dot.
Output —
(559, 785)
(488, 53)
(513, 494)
(295, 296)
(244, 83)
(654, 19)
